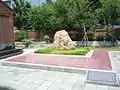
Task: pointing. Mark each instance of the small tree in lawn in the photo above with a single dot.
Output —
(83, 16)
(109, 13)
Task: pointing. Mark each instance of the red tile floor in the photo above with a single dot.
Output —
(98, 60)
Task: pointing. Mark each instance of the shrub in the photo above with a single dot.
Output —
(108, 37)
(20, 35)
(100, 37)
(47, 38)
(26, 42)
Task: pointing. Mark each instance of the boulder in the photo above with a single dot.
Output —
(62, 40)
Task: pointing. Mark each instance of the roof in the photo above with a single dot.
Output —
(116, 26)
(6, 5)
(100, 30)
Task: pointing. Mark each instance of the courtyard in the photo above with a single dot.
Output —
(20, 77)
(37, 79)
(60, 45)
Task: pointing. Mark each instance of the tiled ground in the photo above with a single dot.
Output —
(31, 79)
(115, 60)
(34, 79)
(98, 60)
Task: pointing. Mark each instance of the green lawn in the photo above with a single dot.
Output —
(76, 51)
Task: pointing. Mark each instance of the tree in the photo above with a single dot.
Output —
(21, 11)
(83, 16)
(41, 19)
(94, 4)
(109, 14)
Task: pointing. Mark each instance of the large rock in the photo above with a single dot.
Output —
(62, 40)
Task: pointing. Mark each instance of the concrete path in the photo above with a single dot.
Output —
(115, 60)
(31, 79)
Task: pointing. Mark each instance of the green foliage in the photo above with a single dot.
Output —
(26, 42)
(76, 51)
(62, 14)
(47, 39)
(20, 35)
(100, 37)
(21, 10)
(109, 11)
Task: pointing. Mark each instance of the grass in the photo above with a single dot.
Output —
(76, 51)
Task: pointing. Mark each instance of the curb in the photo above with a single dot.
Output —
(45, 67)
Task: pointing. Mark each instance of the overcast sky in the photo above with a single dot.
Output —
(37, 2)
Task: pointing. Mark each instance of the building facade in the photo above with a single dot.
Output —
(8, 2)
(6, 27)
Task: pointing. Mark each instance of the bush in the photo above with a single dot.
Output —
(100, 37)
(26, 42)
(20, 35)
(47, 38)
(108, 37)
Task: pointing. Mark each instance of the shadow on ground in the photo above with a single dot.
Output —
(6, 88)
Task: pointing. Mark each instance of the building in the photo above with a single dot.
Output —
(116, 31)
(8, 2)
(6, 27)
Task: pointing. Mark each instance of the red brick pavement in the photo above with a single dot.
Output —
(99, 60)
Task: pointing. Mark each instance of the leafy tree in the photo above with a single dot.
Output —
(21, 11)
(94, 4)
(41, 19)
(109, 12)
(83, 16)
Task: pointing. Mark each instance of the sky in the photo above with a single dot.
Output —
(37, 2)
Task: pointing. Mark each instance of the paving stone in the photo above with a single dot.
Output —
(21, 71)
(77, 87)
(54, 87)
(100, 87)
(90, 87)
(30, 78)
(67, 87)
(114, 88)
(42, 88)
(50, 75)
(39, 82)
(32, 86)
(47, 83)
(39, 79)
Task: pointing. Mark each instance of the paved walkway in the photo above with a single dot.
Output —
(115, 60)
(34, 79)
(31, 79)
(98, 60)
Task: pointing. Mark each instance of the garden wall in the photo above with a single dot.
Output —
(20, 35)
(32, 35)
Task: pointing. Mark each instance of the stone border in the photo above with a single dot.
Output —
(88, 55)
(44, 67)
(4, 62)
(50, 67)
